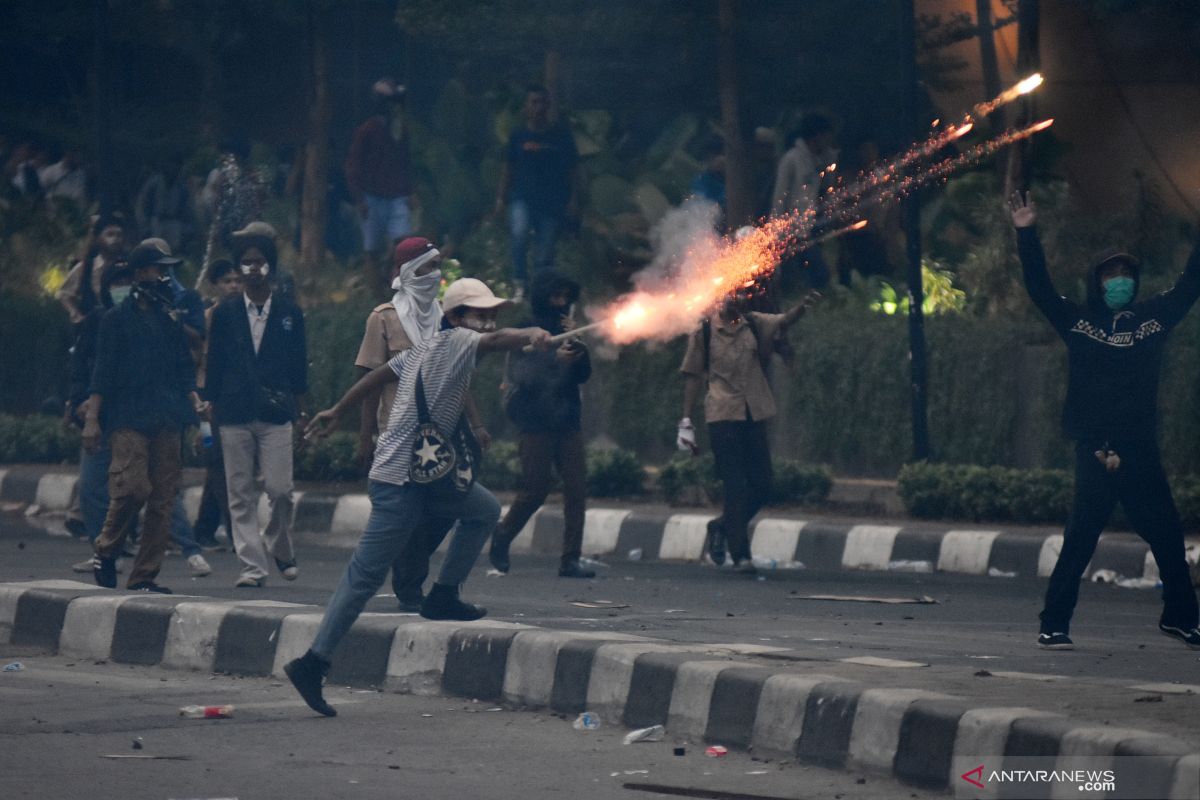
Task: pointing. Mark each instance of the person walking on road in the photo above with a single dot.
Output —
(1114, 358)
(545, 406)
(729, 353)
(424, 467)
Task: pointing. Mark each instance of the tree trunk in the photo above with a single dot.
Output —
(314, 209)
(551, 79)
(991, 73)
(1028, 62)
(102, 107)
(738, 209)
(919, 383)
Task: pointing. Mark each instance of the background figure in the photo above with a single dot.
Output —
(797, 187)
(256, 376)
(544, 404)
(379, 176)
(80, 292)
(540, 183)
(226, 280)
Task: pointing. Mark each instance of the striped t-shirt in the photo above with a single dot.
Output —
(446, 363)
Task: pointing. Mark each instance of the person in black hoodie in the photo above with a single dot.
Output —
(545, 406)
(1114, 357)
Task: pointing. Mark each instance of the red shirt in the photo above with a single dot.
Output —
(377, 164)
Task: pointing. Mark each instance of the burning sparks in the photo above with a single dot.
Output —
(707, 269)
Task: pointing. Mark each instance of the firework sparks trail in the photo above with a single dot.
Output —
(710, 269)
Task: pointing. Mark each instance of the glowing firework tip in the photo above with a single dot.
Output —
(1029, 84)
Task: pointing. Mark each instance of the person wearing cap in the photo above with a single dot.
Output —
(80, 292)
(256, 377)
(1114, 359)
(379, 175)
(412, 316)
(142, 397)
(433, 378)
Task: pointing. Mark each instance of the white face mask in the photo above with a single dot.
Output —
(479, 325)
(265, 269)
(119, 293)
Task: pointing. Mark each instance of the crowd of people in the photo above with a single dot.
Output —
(153, 360)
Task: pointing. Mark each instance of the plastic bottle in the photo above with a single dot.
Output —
(206, 712)
(206, 434)
(762, 562)
(587, 721)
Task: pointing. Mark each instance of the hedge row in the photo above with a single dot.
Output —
(610, 473)
(997, 494)
(693, 481)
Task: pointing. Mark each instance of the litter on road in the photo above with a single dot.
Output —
(598, 604)
(15, 666)
(654, 733)
(847, 598)
(206, 712)
(587, 721)
(147, 757)
(715, 751)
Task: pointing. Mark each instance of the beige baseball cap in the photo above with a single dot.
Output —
(472, 293)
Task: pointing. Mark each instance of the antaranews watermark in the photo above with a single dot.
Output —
(1069, 777)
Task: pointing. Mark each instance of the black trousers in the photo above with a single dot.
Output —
(214, 502)
(1140, 484)
(411, 568)
(743, 458)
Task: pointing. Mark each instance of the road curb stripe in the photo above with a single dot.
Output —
(869, 547)
(966, 552)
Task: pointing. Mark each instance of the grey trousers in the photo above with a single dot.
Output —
(269, 448)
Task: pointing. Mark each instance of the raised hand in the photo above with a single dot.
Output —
(1024, 212)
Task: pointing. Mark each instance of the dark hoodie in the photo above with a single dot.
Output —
(1113, 357)
(545, 394)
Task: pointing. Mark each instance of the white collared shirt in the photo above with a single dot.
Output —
(258, 320)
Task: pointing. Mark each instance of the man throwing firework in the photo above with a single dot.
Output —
(731, 350)
(1114, 357)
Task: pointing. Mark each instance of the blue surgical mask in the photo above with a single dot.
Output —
(119, 293)
(1118, 292)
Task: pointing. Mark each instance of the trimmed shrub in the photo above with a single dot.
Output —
(614, 473)
(330, 459)
(693, 481)
(37, 439)
(501, 469)
(963, 491)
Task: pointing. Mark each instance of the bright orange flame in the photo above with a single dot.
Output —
(1029, 84)
(1040, 126)
(962, 130)
(858, 226)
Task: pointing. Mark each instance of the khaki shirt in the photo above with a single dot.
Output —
(72, 289)
(737, 385)
(383, 339)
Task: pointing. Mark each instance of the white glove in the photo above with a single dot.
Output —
(685, 437)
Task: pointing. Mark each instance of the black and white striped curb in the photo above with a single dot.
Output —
(727, 694)
(338, 520)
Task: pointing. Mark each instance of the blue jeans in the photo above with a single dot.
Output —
(545, 227)
(396, 511)
(388, 219)
(93, 500)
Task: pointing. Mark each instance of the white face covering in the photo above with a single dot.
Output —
(265, 269)
(415, 300)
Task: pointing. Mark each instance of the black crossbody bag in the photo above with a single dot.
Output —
(444, 464)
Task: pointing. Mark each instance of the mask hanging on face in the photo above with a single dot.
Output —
(265, 269)
(119, 293)
(1118, 292)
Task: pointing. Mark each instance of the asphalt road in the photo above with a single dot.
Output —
(977, 640)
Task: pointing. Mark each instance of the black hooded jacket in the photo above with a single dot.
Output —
(544, 394)
(1114, 358)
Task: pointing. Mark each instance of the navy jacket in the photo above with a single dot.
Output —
(236, 377)
(1114, 358)
(545, 394)
(143, 371)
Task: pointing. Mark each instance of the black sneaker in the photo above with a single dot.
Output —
(104, 570)
(498, 554)
(411, 603)
(573, 569)
(1189, 636)
(149, 586)
(76, 528)
(714, 542)
(307, 674)
(745, 566)
(1055, 641)
(443, 603)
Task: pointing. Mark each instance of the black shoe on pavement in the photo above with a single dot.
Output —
(104, 570)
(411, 603)
(498, 554)
(75, 527)
(443, 603)
(745, 566)
(714, 542)
(149, 586)
(1189, 636)
(307, 674)
(573, 569)
(1055, 641)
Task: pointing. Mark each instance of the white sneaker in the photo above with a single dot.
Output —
(198, 566)
(250, 582)
(82, 566)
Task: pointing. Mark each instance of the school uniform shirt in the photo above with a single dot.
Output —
(445, 363)
(737, 385)
(383, 340)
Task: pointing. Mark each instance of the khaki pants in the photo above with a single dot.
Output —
(270, 448)
(145, 471)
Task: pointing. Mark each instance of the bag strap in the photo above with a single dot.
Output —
(422, 405)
